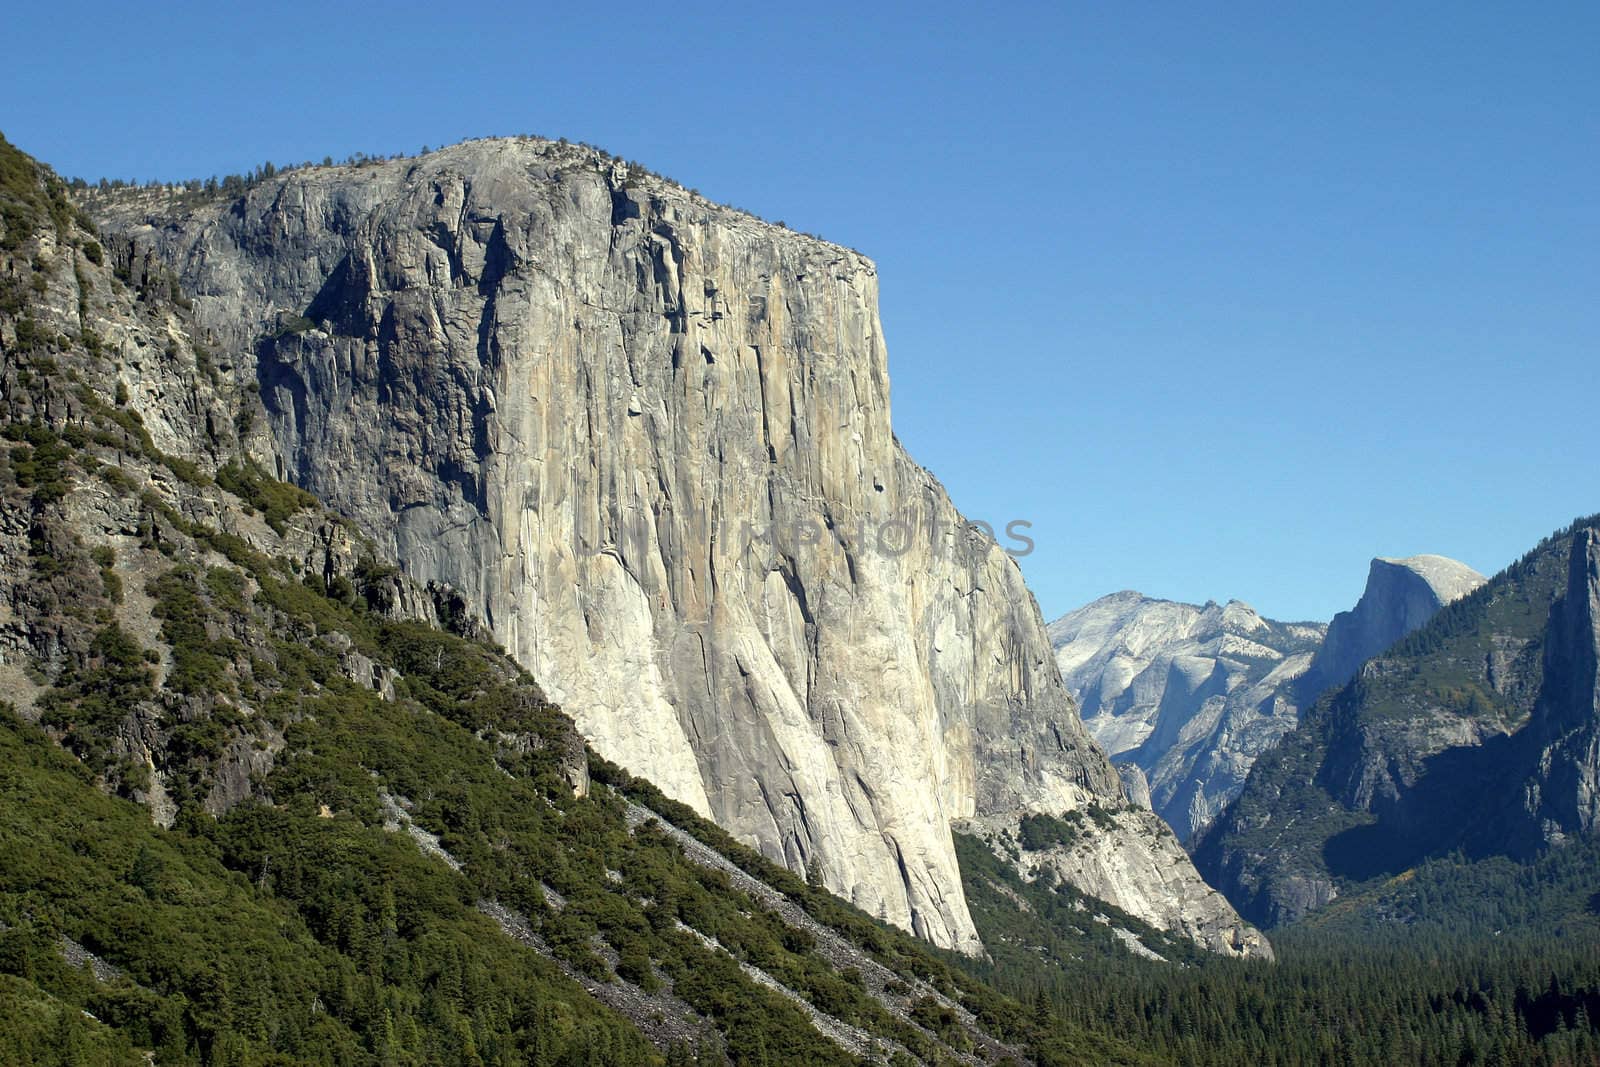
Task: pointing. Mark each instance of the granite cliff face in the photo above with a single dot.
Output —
(186, 642)
(1562, 796)
(1477, 733)
(647, 439)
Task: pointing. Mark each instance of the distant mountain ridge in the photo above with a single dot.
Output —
(1189, 694)
(1192, 695)
(1478, 734)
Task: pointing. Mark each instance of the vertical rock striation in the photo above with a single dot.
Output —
(1563, 793)
(647, 439)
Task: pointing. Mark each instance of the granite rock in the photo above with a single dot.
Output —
(646, 439)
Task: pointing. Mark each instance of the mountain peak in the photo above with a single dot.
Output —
(1448, 578)
(1191, 693)
(1502, 761)
(1141, 667)
(1401, 595)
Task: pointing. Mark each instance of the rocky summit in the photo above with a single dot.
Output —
(647, 440)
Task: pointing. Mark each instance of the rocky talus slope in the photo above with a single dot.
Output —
(1476, 733)
(269, 800)
(647, 439)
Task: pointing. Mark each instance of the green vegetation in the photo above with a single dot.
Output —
(39, 461)
(30, 198)
(88, 701)
(302, 897)
(1455, 963)
(219, 970)
(200, 662)
(105, 557)
(45, 1031)
(277, 501)
(1458, 899)
(1048, 1040)
(1040, 832)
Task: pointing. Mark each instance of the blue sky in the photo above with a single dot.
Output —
(1223, 302)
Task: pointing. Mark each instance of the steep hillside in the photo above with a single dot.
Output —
(647, 438)
(1190, 695)
(267, 801)
(1475, 733)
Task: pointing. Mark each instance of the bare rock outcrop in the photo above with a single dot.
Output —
(1563, 794)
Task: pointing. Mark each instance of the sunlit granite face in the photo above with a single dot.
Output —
(648, 439)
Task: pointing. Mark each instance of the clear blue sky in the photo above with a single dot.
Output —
(1225, 302)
